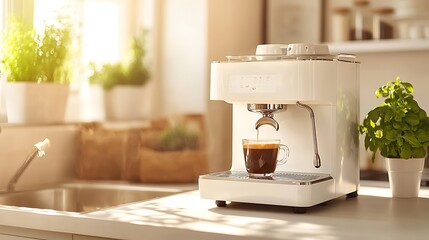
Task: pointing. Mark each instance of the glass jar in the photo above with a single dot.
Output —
(340, 24)
(362, 26)
(382, 24)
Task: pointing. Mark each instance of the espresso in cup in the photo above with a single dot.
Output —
(261, 156)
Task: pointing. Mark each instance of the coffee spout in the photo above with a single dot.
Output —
(267, 120)
(267, 111)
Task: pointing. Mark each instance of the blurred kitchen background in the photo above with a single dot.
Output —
(182, 37)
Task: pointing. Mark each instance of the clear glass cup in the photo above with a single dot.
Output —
(261, 156)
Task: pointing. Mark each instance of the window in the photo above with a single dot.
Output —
(97, 26)
(105, 27)
(100, 33)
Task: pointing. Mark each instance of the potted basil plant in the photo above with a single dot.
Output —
(125, 95)
(399, 130)
(37, 71)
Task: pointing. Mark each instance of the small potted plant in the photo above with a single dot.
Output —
(399, 130)
(123, 82)
(176, 155)
(37, 71)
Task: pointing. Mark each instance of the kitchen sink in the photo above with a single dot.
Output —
(83, 197)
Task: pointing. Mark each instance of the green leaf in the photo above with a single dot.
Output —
(374, 114)
(419, 152)
(411, 139)
(399, 142)
(412, 105)
(392, 135)
(399, 116)
(423, 136)
(389, 115)
(412, 119)
(408, 87)
(422, 114)
(392, 152)
(362, 129)
(378, 93)
(405, 151)
(384, 152)
(373, 156)
(401, 126)
(379, 133)
(367, 142)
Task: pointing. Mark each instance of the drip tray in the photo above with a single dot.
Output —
(292, 178)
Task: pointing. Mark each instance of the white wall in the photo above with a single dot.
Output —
(192, 34)
(183, 56)
(234, 28)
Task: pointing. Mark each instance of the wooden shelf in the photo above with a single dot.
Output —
(378, 46)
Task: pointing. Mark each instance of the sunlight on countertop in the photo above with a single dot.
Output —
(187, 216)
(381, 189)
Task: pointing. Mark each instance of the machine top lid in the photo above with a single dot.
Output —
(295, 51)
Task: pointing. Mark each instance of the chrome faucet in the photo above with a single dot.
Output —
(38, 151)
(267, 111)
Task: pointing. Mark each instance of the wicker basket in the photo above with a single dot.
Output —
(172, 167)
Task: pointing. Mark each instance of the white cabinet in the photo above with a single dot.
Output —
(16, 233)
(80, 237)
(10, 237)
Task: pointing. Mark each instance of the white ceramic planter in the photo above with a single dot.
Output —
(127, 103)
(405, 176)
(34, 103)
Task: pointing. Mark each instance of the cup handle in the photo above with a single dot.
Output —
(283, 148)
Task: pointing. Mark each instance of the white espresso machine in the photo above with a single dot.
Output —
(307, 98)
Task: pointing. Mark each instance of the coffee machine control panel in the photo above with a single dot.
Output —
(254, 83)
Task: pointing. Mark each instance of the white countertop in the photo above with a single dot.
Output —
(372, 215)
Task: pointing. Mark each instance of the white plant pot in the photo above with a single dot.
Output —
(36, 103)
(405, 176)
(127, 103)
